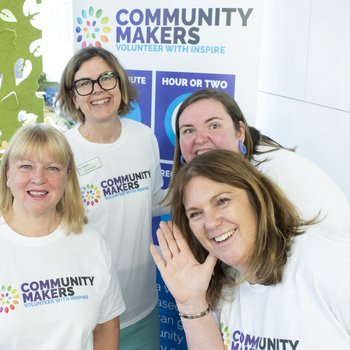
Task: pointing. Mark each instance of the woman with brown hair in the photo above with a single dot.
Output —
(211, 119)
(120, 178)
(237, 246)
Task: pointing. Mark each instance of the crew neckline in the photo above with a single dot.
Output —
(15, 237)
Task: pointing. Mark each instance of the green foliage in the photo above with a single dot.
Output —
(42, 82)
(20, 67)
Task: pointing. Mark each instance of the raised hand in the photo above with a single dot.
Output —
(184, 276)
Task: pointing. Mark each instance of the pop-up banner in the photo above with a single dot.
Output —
(171, 49)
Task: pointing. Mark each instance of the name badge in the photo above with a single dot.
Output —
(89, 166)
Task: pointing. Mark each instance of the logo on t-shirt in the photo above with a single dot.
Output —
(116, 187)
(43, 292)
(238, 340)
(91, 194)
(9, 298)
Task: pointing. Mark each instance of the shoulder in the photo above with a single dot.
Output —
(268, 155)
(89, 235)
(135, 125)
(294, 170)
(322, 254)
(285, 160)
(139, 133)
(71, 133)
(297, 174)
(321, 266)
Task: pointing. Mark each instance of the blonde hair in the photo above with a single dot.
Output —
(41, 139)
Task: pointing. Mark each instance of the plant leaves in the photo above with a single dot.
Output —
(7, 16)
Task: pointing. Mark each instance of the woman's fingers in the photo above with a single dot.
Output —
(167, 234)
(184, 276)
(163, 245)
(158, 260)
(174, 250)
(179, 237)
(210, 263)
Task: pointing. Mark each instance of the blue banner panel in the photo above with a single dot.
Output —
(142, 110)
(172, 88)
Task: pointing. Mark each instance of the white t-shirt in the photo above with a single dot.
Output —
(121, 183)
(309, 188)
(55, 289)
(309, 310)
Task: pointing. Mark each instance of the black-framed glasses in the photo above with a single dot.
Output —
(106, 81)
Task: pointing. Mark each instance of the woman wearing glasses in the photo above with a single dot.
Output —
(120, 178)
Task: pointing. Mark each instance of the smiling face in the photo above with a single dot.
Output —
(222, 219)
(101, 105)
(37, 185)
(205, 125)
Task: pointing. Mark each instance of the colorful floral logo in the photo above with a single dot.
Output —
(92, 28)
(226, 335)
(8, 299)
(91, 194)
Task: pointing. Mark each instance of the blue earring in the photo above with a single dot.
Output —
(242, 147)
(182, 160)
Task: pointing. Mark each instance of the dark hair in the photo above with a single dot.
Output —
(278, 221)
(66, 92)
(253, 137)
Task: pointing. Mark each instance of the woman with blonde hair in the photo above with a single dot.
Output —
(52, 295)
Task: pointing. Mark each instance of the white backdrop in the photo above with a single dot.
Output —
(304, 94)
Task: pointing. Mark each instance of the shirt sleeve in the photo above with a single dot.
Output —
(112, 303)
(158, 193)
(343, 305)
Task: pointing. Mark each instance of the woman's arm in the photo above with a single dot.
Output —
(188, 282)
(106, 335)
(203, 333)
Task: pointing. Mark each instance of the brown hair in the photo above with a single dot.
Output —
(65, 95)
(278, 221)
(253, 138)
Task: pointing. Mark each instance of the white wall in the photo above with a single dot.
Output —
(57, 37)
(304, 89)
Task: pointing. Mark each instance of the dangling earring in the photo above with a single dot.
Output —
(242, 147)
(182, 160)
